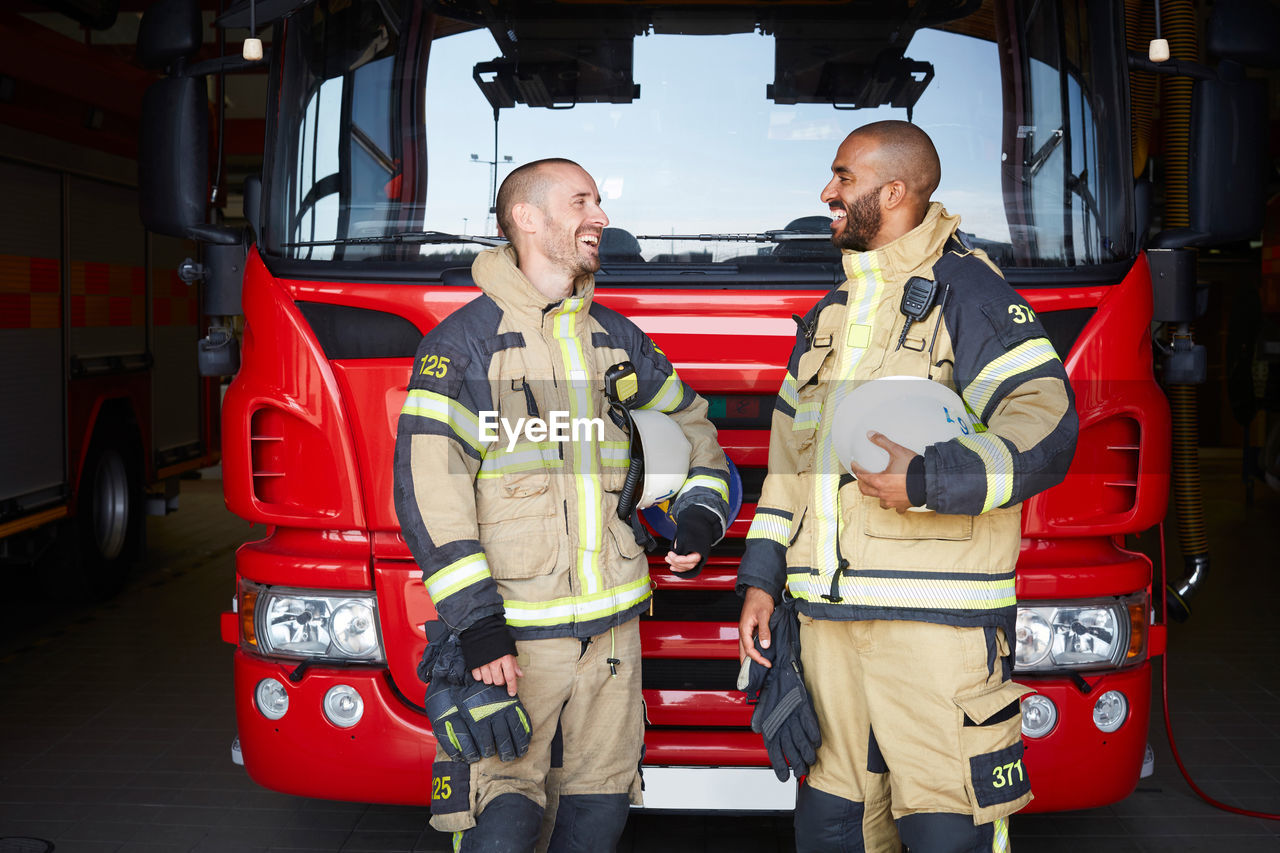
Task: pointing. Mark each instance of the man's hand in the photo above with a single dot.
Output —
(890, 485)
(683, 562)
(757, 607)
(504, 670)
(697, 529)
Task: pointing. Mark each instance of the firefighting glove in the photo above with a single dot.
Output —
(453, 738)
(697, 529)
(496, 720)
(784, 712)
(443, 669)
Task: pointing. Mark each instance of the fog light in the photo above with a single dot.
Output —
(1110, 711)
(272, 699)
(343, 706)
(1039, 716)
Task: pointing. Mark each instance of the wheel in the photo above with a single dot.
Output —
(109, 515)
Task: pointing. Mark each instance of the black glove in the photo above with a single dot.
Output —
(496, 720)
(784, 712)
(443, 669)
(697, 529)
(453, 738)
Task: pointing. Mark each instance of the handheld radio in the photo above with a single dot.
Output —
(917, 301)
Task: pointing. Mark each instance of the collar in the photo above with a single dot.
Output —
(496, 273)
(914, 253)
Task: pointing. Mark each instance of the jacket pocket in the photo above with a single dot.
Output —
(990, 721)
(810, 397)
(515, 478)
(519, 549)
(624, 538)
(890, 524)
(809, 393)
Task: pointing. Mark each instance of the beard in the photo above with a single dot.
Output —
(562, 247)
(861, 222)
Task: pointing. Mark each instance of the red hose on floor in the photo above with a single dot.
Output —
(1168, 727)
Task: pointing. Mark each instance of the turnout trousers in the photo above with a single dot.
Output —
(920, 724)
(588, 732)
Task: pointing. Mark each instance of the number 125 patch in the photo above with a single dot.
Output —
(450, 787)
(434, 365)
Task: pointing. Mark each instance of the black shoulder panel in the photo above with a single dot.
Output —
(456, 352)
(619, 331)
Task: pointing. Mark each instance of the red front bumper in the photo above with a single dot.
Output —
(386, 757)
(1076, 766)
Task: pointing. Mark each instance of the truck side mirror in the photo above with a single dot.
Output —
(173, 156)
(171, 31)
(1229, 137)
(1247, 31)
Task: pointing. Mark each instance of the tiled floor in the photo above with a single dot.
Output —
(116, 720)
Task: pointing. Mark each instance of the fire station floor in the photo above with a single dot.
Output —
(116, 719)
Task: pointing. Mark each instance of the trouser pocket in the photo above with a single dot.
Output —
(991, 738)
(453, 799)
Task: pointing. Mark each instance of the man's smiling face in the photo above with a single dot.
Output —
(572, 221)
(853, 195)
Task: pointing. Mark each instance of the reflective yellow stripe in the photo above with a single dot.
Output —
(525, 456)
(998, 462)
(798, 582)
(866, 284)
(1026, 356)
(457, 575)
(705, 481)
(789, 393)
(615, 454)
(586, 479)
(807, 416)
(668, 396)
(914, 593)
(1000, 832)
(437, 407)
(771, 527)
(582, 608)
(481, 711)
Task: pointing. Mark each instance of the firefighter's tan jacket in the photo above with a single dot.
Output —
(530, 528)
(838, 552)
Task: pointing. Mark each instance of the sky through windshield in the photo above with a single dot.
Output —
(702, 149)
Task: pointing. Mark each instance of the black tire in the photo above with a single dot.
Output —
(109, 514)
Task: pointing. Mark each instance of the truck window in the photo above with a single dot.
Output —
(705, 156)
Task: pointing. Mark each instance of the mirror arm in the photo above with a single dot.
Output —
(1172, 67)
(227, 64)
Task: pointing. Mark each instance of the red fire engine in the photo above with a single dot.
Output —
(709, 128)
(97, 330)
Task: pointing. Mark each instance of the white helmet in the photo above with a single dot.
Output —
(910, 410)
(660, 449)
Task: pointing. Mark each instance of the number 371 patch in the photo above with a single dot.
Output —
(999, 777)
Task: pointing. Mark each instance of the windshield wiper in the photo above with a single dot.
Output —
(1041, 156)
(779, 236)
(412, 238)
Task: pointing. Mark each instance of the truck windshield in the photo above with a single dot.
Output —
(709, 132)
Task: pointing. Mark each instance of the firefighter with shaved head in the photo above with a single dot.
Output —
(527, 537)
(878, 642)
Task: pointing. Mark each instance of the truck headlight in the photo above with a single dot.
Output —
(307, 623)
(1081, 635)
